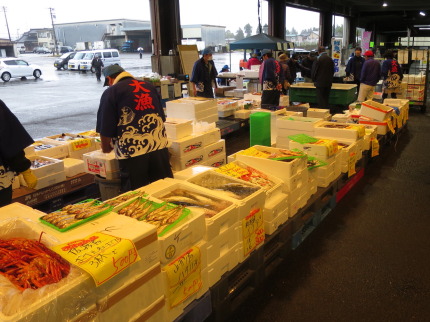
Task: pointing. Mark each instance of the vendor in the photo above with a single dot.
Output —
(13, 140)
(253, 60)
(224, 81)
(204, 74)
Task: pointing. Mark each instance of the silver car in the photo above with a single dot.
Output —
(16, 68)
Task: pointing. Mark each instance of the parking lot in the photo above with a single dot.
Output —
(67, 101)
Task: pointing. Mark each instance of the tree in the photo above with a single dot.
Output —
(294, 31)
(287, 32)
(248, 30)
(239, 34)
(229, 34)
(338, 31)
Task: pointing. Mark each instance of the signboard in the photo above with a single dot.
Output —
(336, 45)
(365, 41)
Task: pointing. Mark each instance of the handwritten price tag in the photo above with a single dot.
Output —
(252, 231)
(101, 255)
(80, 144)
(375, 147)
(351, 164)
(184, 276)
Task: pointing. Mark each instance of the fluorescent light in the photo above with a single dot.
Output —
(424, 28)
(385, 4)
(422, 13)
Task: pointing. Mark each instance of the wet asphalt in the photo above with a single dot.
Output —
(369, 259)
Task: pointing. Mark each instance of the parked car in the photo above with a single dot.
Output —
(65, 49)
(74, 63)
(108, 57)
(63, 60)
(15, 67)
(41, 50)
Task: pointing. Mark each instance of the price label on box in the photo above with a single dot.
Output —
(253, 231)
(184, 276)
(80, 144)
(101, 255)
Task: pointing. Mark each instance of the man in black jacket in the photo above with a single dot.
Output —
(204, 75)
(97, 64)
(322, 76)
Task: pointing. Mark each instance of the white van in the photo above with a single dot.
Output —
(74, 64)
(108, 57)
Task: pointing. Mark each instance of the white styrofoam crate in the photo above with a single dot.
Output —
(99, 163)
(375, 110)
(338, 164)
(212, 136)
(326, 170)
(271, 226)
(191, 104)
(216, 224)
(275, 206)
(222, 265)
(318, 113)
(298, 123)
(73, 167)
(54, 166)
(154, 313)
(56, 151)
(295, 182)
(189, 159)
(212, 150)
(280, 169)
(283, 132)
(46, 181)
(312, 184)
(190, 172)
(324, 182)
(178, 128)
(186, 145)
(323, 149)
(242, 114)
(217, 161)
(381, 126)
(232, 157)
(338, 131)
(77, 146)
(209, 117)
(346, 152)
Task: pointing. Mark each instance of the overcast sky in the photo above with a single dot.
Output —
(23, 15)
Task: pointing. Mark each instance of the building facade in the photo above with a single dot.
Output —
(204, 36)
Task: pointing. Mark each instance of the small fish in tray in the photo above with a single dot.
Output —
(38, 163)
(73, 214)
(208, 205)
(148, 211)
(123, 198)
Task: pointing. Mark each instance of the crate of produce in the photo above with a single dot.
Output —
(43, 166)
(340, 94)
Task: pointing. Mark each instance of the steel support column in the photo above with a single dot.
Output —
(277, 18)
(326, 28)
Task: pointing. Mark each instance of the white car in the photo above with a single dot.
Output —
(16, 68)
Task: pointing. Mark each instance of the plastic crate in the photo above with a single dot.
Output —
(198, 310)
(341, 94)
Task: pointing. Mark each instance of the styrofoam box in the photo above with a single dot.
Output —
(271, 226)
(222, 265)
(312, 183)
(209, 118)
(275, 206)
(54, 167)
(73, 167)
(178, 128)
(371, 133)
(212, 136)
(190, 172)
(381, 126)
(57, 151)
(281, 132)
(187, 145)
(252, 96)
(191, 103)
(374, 110)
(349, 132)
(217, 161)
(140, 292)
(324, 182)
(294, 206)
(341, 118)
(318, 113)
(222, 244)
(75, 152)
(100, 163)
(232, 157)
(212, 150)
(242, 114)
(323, 149)
(225, 113)
(293, 113)
(345, 153)
(298, 123)
(156, 312)
(214, 225)
(280, 169)
(283, 142)
(49, 180)
(188, 160)
(338, 162)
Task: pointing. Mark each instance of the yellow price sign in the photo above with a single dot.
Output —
(390, 126)
(101, 255)
(375, 147)
(80, 144)
(184, 276)
(351, 164)
(252, 231)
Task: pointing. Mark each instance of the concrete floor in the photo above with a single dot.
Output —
(369, 259)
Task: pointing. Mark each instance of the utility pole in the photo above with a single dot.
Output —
(51, 11)
(7, 25)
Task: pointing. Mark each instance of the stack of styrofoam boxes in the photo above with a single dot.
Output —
(276, 205)
(102, 164)
(371, 133)
(247, 206)
(177, 128)
(291, 125)
(136, 291)
(255, 98)
(350, 139)
(191, 150)
(226, 107)
(53, 150)
(47, 175)
(77, 146)
(215, 154)
(92, 134)
(403, 106)
(319, 113)
(325, 150)
(293, 173)
(416, 86)
(373, 113)
(193, 108)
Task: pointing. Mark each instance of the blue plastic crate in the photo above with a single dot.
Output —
(305, 231)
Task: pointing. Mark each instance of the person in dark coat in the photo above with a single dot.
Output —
(322, 76)
(285, 70)
(224, 81)
(370, 76)
(354, 67)
(13, 140)
(204, 75)
(271, 79)
(97, 64)
(306, 66)
(390, 67)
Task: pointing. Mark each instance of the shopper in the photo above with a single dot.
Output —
(13, 140)
(354, 67)
(285, 70)
(306, 66)
(204, 74)
(130, 121)
(140, 50)
(294, 67)
(271, 79)
(253, 60)
(392, 75)
(322, 76)
(224, 81)
(97, 64)
(370, 75)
